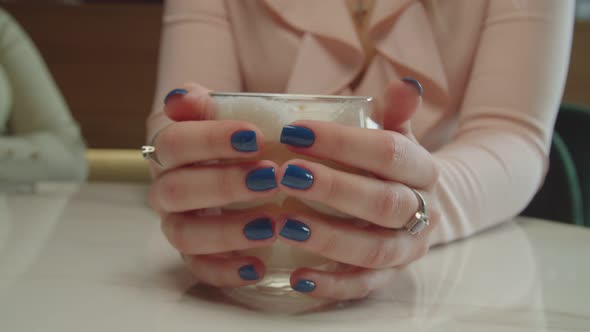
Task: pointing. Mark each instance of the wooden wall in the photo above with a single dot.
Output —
(577, 89)
(104, 58)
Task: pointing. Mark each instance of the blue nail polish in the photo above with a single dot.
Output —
(415, 83)
(297, 178)
(261, 179)
(248, 272)
(259, 229)
(300, 137)
(295, 230)
(175, 92)
(304, 286)
(244, 141)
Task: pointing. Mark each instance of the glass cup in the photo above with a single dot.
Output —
(270, 113)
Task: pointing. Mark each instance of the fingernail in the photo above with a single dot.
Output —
(297, 136)
(295, 230)
(248, 272)
(175, 92)
(297, 177)
(304, 286)
(261, 179)
(415, 83)
(259, 229)
(244, 141)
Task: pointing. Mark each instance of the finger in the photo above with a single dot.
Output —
(192, 234)
(226, 272)
(349, 285)
(387, 154)
(399, 103)
(374, 247)
(191, 102)
(197, 187)
(388, 204)
(189, 142)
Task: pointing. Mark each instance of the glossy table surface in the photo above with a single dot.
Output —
(93, 259)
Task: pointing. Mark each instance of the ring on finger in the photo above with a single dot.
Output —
(420, 220)
(149, 151)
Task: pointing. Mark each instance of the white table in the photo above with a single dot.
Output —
(94, 260)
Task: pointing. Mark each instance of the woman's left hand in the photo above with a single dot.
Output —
(386, 201)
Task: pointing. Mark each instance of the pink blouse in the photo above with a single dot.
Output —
(493, 72)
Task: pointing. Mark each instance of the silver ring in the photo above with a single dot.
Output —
(149, 152)
(420, 220)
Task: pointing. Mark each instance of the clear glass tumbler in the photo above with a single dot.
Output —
(270, 113)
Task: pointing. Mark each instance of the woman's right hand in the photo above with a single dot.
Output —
(189, 185)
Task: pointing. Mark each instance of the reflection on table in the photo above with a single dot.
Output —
(94, 259)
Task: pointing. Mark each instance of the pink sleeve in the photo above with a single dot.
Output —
(498, 158)
(196, 45)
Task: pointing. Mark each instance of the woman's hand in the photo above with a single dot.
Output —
(386, 201)
(189, 181)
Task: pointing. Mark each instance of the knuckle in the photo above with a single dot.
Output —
(226, 185)
(388, 204)
(381, 255)
(326, 244)
(393, 150)
(169, 192)
(332, 188)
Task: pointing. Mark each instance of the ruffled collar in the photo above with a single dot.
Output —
(400, 30)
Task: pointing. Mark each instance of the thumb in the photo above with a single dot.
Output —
(400, 102)
(192, 102)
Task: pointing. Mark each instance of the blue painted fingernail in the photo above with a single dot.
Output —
(261, 179)
(300, 137)
(259, 229)
(248, 272)
(244, 141)
(304, 286)
(173, 93)
(297, 177)
(415, 83)
(295, 230)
